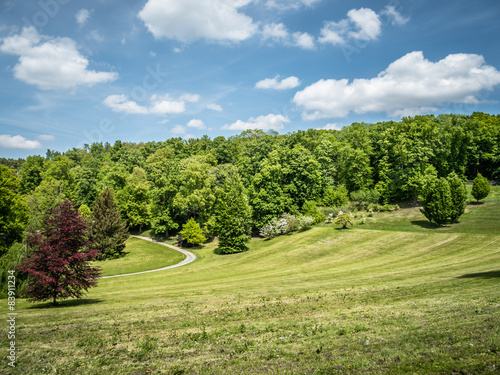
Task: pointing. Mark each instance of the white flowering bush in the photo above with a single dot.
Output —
(329, 218)
(305, 222)
(286, 224)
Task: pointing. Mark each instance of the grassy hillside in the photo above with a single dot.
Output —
(140, 256)
(390, 296)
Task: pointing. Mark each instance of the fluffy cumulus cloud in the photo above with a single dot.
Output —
(410, 85)
(275, 32)
(276, 84)
(18, 142)
(189, 20)
(51, 63)
(360, 24)
(158, 105)
(268, 122)
(303, 40)
(197, 124)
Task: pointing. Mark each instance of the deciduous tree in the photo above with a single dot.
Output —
(58, 260)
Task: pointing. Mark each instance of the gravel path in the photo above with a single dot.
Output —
(190, 257)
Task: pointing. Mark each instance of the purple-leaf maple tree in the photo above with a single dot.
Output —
(58, 262)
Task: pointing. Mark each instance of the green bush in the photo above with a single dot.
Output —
(336, 197)
(344, 219)
(310, 209)
(362, 198)
(480, 188)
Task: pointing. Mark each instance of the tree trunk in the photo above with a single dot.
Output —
(54, 302)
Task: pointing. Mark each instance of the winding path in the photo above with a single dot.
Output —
(190, 257)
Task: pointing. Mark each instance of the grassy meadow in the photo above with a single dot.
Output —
(392, 296)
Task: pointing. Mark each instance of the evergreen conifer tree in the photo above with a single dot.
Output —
(109, 232)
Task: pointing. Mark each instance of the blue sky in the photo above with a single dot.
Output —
(75, 72)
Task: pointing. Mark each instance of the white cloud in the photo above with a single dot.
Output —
(54, 64)
(191, 98)
(189, 20)
(215, 107)
(195, 123)
(275, 31)
(120, 103)
(410, 85)
(290, 4)
(331, 126)
(276, 84)
(178, 130)
(368, 23)
(159, 105)
(18, 142)
(360, 24)
(46, 137)
(303, 40)
(82, 16)
(397, 18)
(163, 105)
(267, 122)
(94, 35)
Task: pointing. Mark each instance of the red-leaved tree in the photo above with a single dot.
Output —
(57, 264)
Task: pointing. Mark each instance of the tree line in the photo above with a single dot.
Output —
(254, 177)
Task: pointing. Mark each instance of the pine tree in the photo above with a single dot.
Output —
(480, 188)
(109, 232)
(436, 201)
(458, 191)
(57, 262)
(233, 212)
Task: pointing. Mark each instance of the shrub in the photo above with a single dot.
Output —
(310, 209)
(336, 197)
(362, 198)
(192, 233)
(344, 219)
(480, 188)
(436, 201)
(305, 222)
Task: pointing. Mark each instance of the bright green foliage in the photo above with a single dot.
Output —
(8, 262)
(192, 233)
(85, 211)
(267, 195)
(196, 197)
(336, 197)
(480, 188)
(133, 199)
(232, 211)
(365, 197)
(109, 231)
(436, 201)
(310, 209)
(458, 191)
(59, 169)
(13, 212)
(43, 199)
(344, 219)
(30, 174)
(162, 171)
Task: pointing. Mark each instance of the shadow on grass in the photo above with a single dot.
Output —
(426, 224)
(481, 275)
(67, 303)
(342, 228)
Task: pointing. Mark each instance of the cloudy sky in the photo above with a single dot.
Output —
(74, 72)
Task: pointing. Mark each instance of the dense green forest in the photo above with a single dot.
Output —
(247, 180)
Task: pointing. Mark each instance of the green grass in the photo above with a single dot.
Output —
(140, 255)
(387, 297)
